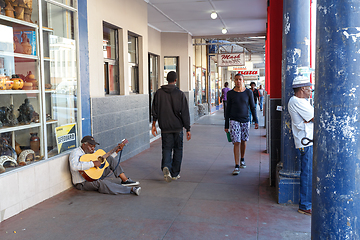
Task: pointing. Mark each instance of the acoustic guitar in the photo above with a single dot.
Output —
(95, 173)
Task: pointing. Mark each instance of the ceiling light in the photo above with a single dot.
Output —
(213, 15)
(224, 30)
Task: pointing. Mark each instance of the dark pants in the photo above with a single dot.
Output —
(172, 149)
(225, 105)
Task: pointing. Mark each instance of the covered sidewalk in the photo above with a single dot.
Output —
(207, 202)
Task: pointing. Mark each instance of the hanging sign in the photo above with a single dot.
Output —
(249, 73)
(66, 137)
(231, 59)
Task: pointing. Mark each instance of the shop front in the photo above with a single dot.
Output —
(39, 117)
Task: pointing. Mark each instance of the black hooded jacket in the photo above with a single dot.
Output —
(170, 108)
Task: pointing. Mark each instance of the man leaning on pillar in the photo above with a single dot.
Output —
(302, 122)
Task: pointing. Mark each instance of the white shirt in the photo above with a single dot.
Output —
(300, 110)
(76, 165)
(261, 92)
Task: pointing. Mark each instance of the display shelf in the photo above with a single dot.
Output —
(18, 55)
(51, 122)
(17, 21)
(19, 127)
(50, 91)
(48, 59)
(18, 91)
(47, 29)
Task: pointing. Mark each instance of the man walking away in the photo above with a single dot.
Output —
(171, 109)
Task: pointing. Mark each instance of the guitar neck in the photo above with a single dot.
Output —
(113, 150)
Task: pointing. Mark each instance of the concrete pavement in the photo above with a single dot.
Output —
(207, 202)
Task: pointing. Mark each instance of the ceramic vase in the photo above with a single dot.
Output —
(34, 142)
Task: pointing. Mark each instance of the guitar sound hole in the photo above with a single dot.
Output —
(101, 159)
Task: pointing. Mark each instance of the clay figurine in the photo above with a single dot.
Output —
(26, 111)
(26, 44)
(7, 116)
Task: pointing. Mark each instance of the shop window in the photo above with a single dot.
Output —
(171, 64)
(40, 102)
(111, 60)
(153, 78)
(133, 61)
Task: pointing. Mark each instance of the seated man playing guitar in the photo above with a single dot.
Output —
(102, 185)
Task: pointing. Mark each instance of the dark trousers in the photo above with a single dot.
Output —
(225, 105)
(172, 150)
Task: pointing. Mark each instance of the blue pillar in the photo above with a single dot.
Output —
(84, 68)
(295, 58)
(336, 175)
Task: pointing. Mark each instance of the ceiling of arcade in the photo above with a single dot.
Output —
(244, 21)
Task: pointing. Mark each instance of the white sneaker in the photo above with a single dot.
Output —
(136, 190)
(236, 171)
(167, 174)
(176, 178)
(242, 164)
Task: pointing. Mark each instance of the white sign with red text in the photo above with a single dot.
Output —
(231, 59)
(249, 73)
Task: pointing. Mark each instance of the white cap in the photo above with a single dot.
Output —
(301, 81)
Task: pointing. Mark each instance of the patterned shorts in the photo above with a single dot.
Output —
(239, 131)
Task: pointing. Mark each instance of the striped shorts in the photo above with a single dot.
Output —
(239, 131)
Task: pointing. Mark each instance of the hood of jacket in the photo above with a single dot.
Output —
(169, 88)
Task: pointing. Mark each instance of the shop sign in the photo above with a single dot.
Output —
(249, 73)
(66, 137)
(237, 68)
(231, 59)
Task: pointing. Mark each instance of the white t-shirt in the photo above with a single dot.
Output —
(261, 92)
(300, 110)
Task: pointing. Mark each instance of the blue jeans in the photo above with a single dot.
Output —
(261, 102)
(172, 150)
(306, 160)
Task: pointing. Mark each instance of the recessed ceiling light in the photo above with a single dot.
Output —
(213, 15)
(224, 30)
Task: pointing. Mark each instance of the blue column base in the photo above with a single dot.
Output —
(288, 189)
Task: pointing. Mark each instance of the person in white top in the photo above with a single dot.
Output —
(101, 185)
(302, 123)
(261, 97)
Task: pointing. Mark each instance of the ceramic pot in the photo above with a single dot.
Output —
(18, 82)
(27, 86)
(9, 10)
(3, 82)
(9, 84)
(34, 142)
(30, 78)
(27, 14)
(19, 12)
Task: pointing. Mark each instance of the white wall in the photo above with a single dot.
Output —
(154, 47)
(128, 16)
(27, 186)
(179, 44)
